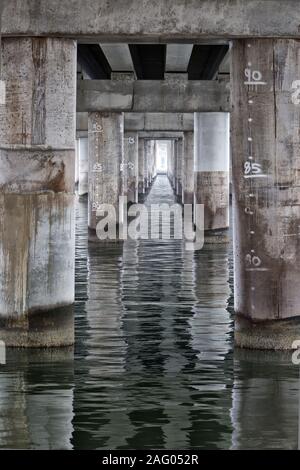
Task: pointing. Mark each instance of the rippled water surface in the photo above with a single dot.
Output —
(153, 365)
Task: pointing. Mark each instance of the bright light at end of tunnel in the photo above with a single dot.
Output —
(161, 157)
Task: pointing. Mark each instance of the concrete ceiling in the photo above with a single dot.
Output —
(152, 61)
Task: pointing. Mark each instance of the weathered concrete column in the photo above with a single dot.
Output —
(173, 163)
(131, 162)
(211, 172)
(154, 167)
(170, 157)
(37, 172)
(148, 162)
(141, 149)
(76, 181)
(188, 168)
(106, 155)
(153, 143)
(179, 158)
(83, 176)
(266, 192)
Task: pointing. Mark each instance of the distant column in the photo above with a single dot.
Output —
(83, 172)
(131, 162)
(106, 154)
(141, 150)
(211, 172)
(188, 168)
(179, 167)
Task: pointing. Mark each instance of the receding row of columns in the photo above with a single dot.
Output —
(37, 150)
(197, 166)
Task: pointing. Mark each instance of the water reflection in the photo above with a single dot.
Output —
(154, 364)
(36, 399)
(265, 401)
(156, 374)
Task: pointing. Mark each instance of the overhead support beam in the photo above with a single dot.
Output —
(224, 68)
(166, 20)
(149, 60)
(118, 56)
(160, 135)
(153, 96)
(93, 61)
(177, 122)
(174, 122)
(178, 57)
(205, 61)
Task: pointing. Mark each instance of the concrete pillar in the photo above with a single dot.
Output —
(106, 154)
(37, 173)
(170, 156)
(173, 161)
(266, 192)
(211, 172)
(154, 170)
(141, 149)
(131, 158)
(179, 157)
(152, 160)
(175, 165)
(148, 162)
(188, 168)
(76, 164)
(83, 172)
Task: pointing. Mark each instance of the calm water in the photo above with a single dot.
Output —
(154, 365)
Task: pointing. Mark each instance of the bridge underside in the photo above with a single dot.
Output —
(205, 81)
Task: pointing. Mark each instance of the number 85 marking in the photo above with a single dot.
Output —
(254, 168)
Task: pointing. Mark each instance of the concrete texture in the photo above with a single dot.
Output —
(211, 170)
(106, 154)
(154, 96)
(266, 194)
(164, 20)
(37, 167)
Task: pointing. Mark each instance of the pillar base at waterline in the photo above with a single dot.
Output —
(39, 328)
(216, 237)
(271, 335)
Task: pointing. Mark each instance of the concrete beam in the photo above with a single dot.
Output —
(177, 122)
(178, 57)
(174, 122)
(160, 135)
(153, 96)
(163, 20)
(118, 56)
